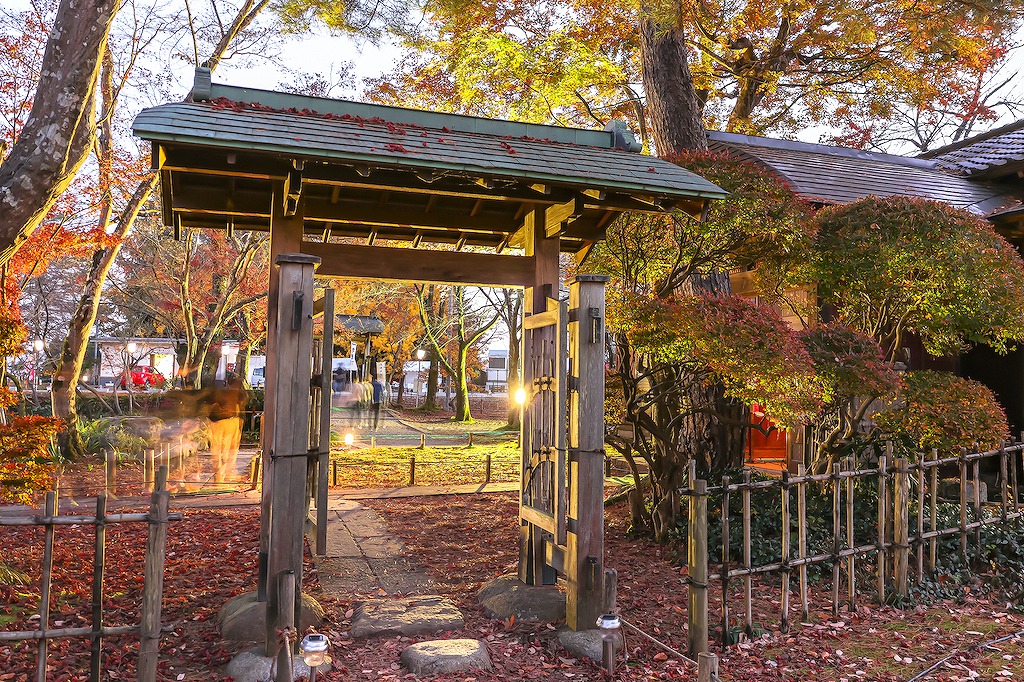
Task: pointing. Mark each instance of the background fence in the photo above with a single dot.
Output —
(890, 512)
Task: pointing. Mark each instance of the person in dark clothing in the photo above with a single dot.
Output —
(378, 398)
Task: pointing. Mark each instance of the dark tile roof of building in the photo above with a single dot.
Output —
(996, 153)
(834, 175)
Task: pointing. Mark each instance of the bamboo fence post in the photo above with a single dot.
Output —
(49, 510)
(901, 526)
(801, 547)
(933, 503)
(153, 586)
(707, 667)
(1013, 476)
(286, 616)
(786, 525)
(725, 561)
(963, 504)
(697, 568)
(836, 535)
(110, 473)
(851, 577)
(98, 565)
(976, 501)
(880, 542)
(919, 541)
(412, 470)
(487, 468)
(1004, 488)
(747, 592)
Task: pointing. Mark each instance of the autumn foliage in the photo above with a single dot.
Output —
(944, 411)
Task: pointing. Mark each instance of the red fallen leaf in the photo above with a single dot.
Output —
(661, 656)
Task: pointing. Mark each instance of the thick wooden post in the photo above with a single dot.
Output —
(697, 568)
(327, 357)
(285, 237)
(153, 585)
(584, 561)
(285, 480)
(44, 588)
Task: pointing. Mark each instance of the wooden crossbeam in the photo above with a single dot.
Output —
(418, 265)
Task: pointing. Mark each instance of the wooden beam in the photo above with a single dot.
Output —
(409, 265)
(557, 217)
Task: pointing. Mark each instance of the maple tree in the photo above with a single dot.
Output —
(751, 67)
(685, 392)
(897, 266)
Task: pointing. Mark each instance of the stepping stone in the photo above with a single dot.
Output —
(408, 617)
(446, 656)
(508, 596)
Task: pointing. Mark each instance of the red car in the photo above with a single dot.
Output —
(143, 376)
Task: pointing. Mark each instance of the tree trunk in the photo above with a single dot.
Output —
(431, 401)
(69, 365)
(59, 132)
(462, 413)
(672, 104)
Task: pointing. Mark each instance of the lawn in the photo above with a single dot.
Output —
(389, 466)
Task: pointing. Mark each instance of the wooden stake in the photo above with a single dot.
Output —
(963, 504)
(707, 667)
(933, 499)
(412, 470)
(1004, 488)
(152, 591)
(98, 564)
(697, 568)
(786, 526)
(725, 561)
(801, 548)
(919, 540)
(976, 502)
(50, 510)
(423, 441)
(836, 535)
(882, 499)
(110, 473)
(851, 573)
(286, 610)
(901, 530)
(747, 592)
(487, 468)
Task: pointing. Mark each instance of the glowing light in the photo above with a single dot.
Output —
(521, 395)
(38, 344)
(349, 439)
(420, 353)
(131, 347)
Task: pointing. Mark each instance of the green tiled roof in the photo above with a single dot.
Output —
(335, 131)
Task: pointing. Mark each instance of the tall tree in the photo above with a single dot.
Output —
(57, 136)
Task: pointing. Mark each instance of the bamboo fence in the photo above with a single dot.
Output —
(905, 542)
(149, 627)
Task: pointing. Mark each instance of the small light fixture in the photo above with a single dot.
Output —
(349, 439)
(313, 648)
(420, 353)
(38, 344)
(131, 347)
(521, 395)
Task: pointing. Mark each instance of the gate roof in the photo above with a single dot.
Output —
(384, 173)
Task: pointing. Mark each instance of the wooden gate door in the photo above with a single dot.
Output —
(561, 506)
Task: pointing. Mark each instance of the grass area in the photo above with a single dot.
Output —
(388, 466)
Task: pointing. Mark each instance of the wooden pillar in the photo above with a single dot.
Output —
(544, 250)
(324, 438)
(285, 477)
(584, 561)
(285, 237)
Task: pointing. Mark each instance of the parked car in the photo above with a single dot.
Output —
(142, 376)
(257, 377)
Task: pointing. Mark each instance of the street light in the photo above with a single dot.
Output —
(420, 354)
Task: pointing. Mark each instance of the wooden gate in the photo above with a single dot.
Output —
(561, 508)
